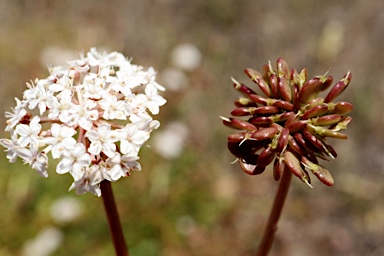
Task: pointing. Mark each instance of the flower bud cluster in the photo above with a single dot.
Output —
(92, 114)
(289, 124)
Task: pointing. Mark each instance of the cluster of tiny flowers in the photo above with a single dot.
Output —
(290, 124)
(73, 114)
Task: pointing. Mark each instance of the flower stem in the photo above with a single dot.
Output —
(270, 230)
(113, 219)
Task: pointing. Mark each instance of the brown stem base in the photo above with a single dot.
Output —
(270, 230)
(113, 219)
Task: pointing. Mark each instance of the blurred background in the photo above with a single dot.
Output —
(189, 199)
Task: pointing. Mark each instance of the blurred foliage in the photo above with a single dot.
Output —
(199, 204)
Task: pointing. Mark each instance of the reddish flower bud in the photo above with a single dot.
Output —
(266, 157)
(341, 108)
(242, 88)
(265, 133)
(283, 140)
(282, 68)
(278, 168)
(258, 99)
(284, 89)
(320, 172)
(339, 87)
(295, 167)
(296, 126)
(315, 111)
(326, 120)
(247, 168)
(274, 85)
(257, 78)
(245, 102)
(327, 82)
(310, 90)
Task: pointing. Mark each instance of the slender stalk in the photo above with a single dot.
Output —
(113, 219)
(270, 230)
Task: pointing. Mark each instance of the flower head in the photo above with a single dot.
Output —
(71, 114)
(290, 124)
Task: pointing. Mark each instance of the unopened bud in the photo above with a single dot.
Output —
(324, 132)
(266, 157)
(282, 68)
(295, 167)
(319, 171)
(315, 111)
(242, 88)
(284, 89)
(310, 90)
(339, 88)
(326, 120)
(265, 133)
(258, 79)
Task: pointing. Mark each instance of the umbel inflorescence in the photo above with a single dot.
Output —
(75, 114)
(290, 124)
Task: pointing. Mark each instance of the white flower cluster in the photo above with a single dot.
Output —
(74, 112)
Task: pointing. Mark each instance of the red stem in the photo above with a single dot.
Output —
(270, 230)
(113, 219)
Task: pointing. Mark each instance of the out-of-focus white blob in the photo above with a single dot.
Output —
(174, 79)
(169, 142)
(65, 210)
(44, 244)
(186, 56)
(331, 40)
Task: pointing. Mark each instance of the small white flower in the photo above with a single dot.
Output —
(18, 113)
(29, 134)
(11, 145)
(61, 139)
(102, 140)
(154, 100)
(37, 160)
(89, 181)
(74, 161)
(132, 139)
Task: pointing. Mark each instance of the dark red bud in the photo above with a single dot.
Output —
(258, 99)
(247, 168)
(315, 102)
(296, 126)
(305, 143)
(237, 137)
(234, 148)
(278, 168)
(342, 108)
(339, 88)
(245, 102)
(257, 78)
(295, 167)
(274, 85)
(326, 120)
(283, 140)
(295, 146)
(313, 139)
(266, 157)
(323, 132)
(315, 111)
(264, 110)
(284, 89)
(241, 124)
(310, 90)
(284, 105)
(282, 68)
(327, 82)
(261, 120)
(319, 171)
(264, 133)
(242, 88)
